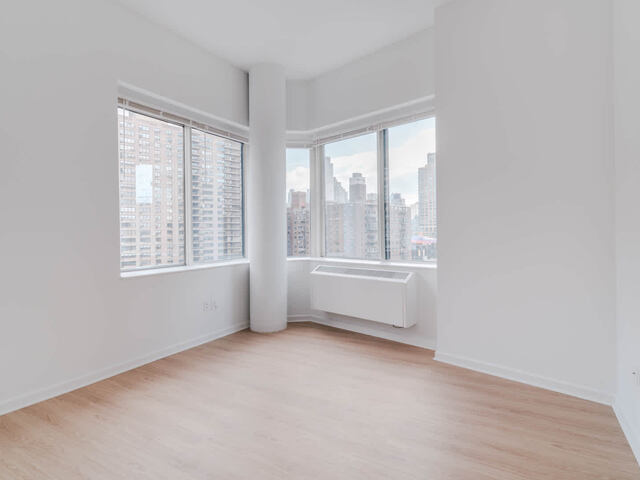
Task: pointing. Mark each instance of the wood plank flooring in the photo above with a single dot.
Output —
(312, 403)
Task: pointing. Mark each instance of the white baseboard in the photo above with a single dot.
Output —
(429, 344)
(632, 434)
(46, 393)
(527, 378)
(299, 317)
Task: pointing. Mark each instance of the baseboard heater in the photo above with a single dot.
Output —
(382, 296)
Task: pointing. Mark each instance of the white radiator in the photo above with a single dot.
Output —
(382, 296)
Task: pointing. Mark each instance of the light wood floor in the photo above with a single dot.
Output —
(312, 402)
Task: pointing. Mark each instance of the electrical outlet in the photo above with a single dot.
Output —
(209, 306)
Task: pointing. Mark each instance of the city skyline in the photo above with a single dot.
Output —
(408, 146)
(351, 221)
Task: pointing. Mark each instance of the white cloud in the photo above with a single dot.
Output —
(362, 162)
(404, 161)
(411, 155)
(298, 179)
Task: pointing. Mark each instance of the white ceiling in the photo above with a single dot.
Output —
(307, 37)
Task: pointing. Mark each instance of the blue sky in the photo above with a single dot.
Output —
(297, 157)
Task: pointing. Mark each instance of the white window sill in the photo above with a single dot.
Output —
(245, 261)
(182, 268)
(378, 263)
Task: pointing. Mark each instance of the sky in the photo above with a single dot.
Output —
(409, 145)
(298, 173)
(357, 154)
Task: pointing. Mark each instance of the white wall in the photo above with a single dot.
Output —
(399, 73)
(525, 267)
(66, 316)
(423, 334)
(298, 105)
(627, 166)
(523, 105)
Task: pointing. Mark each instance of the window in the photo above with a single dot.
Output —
(151, 194)
(351, 198)
(154, 216)
(298, 202)
(402, 159)
(411, 210)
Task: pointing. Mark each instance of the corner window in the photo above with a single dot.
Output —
(380, 194)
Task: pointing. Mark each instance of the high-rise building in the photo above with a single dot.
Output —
(427, 219)
(216, 197)
(355, 223)
(298, 220)
(424, 243)
(298, 200)
(230, 198)
(371, 227)
(415, 225)
(354, 230)
(339, 192)
(357, 188)
(361, 220)
(399, 228)
(351, 219)
(334, 212)
(334, 191)
(329, 180)
(334, 229)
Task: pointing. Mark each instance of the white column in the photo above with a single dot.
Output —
(267, 225)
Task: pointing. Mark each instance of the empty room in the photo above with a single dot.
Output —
(293, 239)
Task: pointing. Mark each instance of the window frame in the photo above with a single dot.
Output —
(318, 196)
(187, 124)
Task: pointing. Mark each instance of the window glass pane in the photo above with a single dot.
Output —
(151, 158)
(298, 214)
(351, 198)
(413, 231)
(216, 197)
